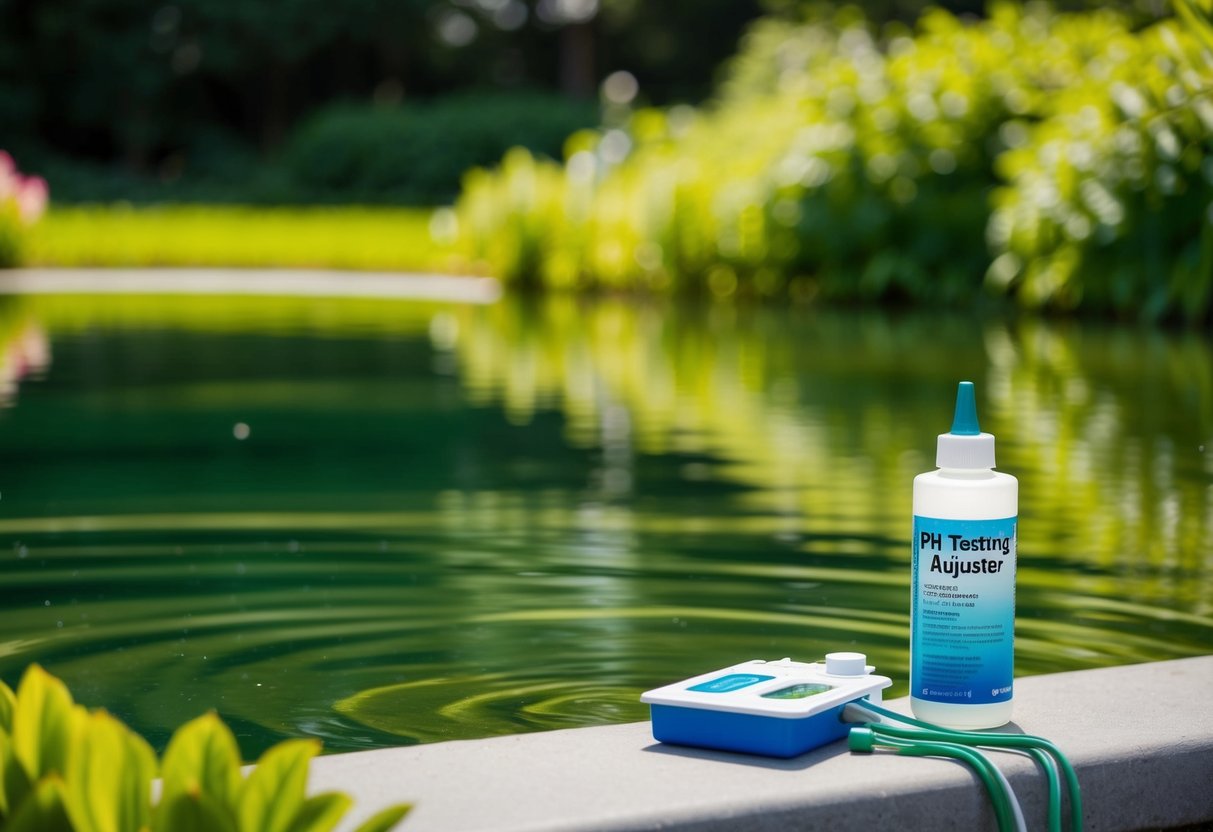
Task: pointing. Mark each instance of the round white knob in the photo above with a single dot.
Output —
(846, 664)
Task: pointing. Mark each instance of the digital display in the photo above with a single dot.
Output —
(730, 683)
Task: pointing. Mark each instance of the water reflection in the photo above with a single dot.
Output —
(24, 351)
(447, 522)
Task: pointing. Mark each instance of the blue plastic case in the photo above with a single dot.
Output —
(777, 709)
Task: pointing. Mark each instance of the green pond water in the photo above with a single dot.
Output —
(380, 523)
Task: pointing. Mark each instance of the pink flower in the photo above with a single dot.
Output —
(27, 194)
(31, 199)
(8, 173)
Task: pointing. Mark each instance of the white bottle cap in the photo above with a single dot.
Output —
(846, 664)
(965, 446)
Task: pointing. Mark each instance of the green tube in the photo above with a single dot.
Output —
(1050, 769)
(1045, 761)
(866, 739)
(991, 740)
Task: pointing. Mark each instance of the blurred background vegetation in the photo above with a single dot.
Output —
(1056, 155)
(200, 99)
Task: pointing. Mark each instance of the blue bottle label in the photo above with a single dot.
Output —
(962, 630)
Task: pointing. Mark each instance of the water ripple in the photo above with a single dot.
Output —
(525, 522)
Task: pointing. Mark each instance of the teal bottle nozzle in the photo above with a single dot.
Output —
(965, 446)
(964, 422)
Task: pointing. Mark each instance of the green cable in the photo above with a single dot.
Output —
(1050, 769)
(1045, 761)
(863, 738)
(995, 740)
(979, 739)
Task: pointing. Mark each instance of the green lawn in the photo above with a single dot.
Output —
(397, 239)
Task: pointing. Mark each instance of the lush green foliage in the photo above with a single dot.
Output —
(1109, 194)
(22, 203)
(242, 236)
(66, 769)
(126, 100)
(1068, 150)
(416, 153)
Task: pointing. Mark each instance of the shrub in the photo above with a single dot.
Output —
(854, 164)
(1109, 195)
(22, 203)
(416, 153)
(63, 768)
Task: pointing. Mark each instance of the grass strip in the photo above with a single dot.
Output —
(339, 237)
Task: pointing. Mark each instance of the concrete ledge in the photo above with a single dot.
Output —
(260, 282)
(1140, 737)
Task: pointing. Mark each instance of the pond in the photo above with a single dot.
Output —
(380, 523)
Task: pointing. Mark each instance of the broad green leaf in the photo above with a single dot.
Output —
(42, 723)
(110, 777)
(202, 757)
(386, 819)
(8, 701)
(43, 810)
(274, 792)
(192, 812)
(137, 794)
(321, 812)
(14, 782)
(5, 750)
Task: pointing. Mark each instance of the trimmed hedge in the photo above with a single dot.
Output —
(416, 153)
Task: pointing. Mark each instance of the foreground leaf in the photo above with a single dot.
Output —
(8, 701)
(202, 757)
(42, 724)
(321, 812)
(110, 777)
(386, 819)
(192, 812)
(43, 810)
(14, 782)
(274, 792)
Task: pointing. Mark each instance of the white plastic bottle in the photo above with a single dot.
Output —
(962, 612)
